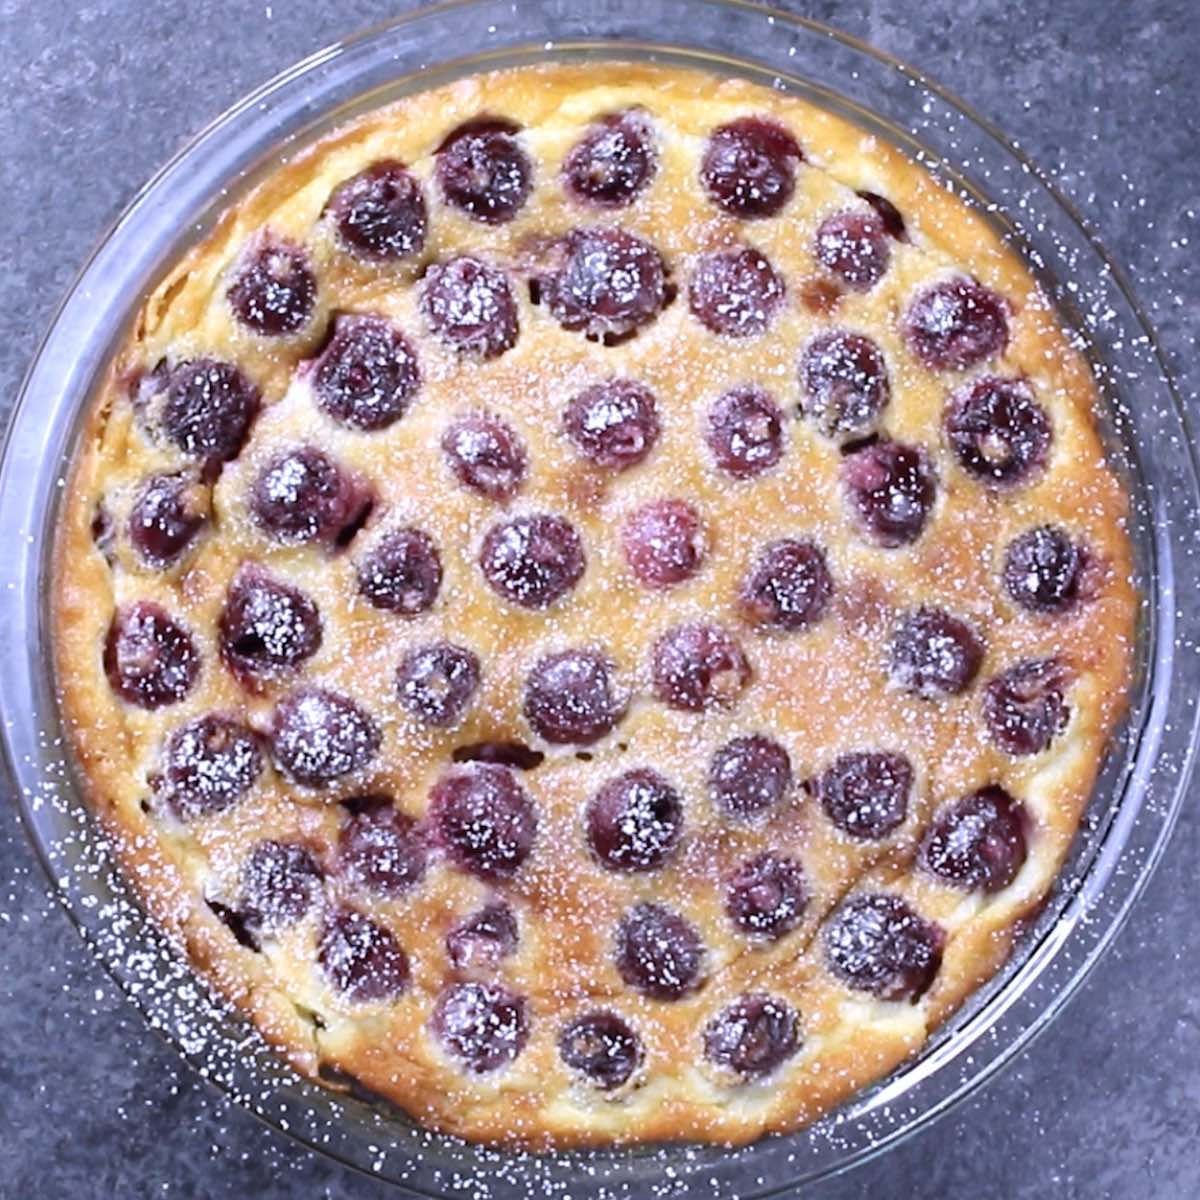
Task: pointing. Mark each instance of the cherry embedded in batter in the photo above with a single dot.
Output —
(483, 171)
(274, 289)
(362, 958)
(436, 683)
(736, 292)
(766, 896)
(999, 433)
(208, 409)
(209, 764)
(401, 573)
(381, 848)
(150, 659)
(745, 432)
(696, 666)
(532, 560)
(613, 162)
(487, 455)
(469, 306)
(664, 542)
(634, 822)
(1043, 570)
(753, 1036)
(367, 374)
(658, 952)
(788, 586)
(845, 384)
(319, 736)
(613, 424)
(891, 487)
(167, 513)
(955, 325)
(602, 1047)
(380, 214)
(483, 1025)
(481, 941)
(749, 776)
(302, 495)
(483, 819)
(865, 793)
(571, 697)
(888, 213)
(266, 626)
(877, 943)
(1024, 707)
(749, 167)
(280, 883)
(854, 247)
(977, 842)
(934, 654)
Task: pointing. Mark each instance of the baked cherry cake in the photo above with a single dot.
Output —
(592, 604)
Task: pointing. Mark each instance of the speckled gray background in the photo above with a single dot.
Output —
(1104, 93)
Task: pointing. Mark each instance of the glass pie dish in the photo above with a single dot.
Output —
(1135, 803)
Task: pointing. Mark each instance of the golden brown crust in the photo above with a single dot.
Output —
(820, 692)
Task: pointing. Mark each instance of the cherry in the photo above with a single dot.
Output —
(749, 775)
(634, 822)
(487, 455)
(613, 162)
(934, 654)
(788, 586)
(572, 697)
(865, 793)
(609, 284)
(745, 432)
(736, 292)
(482, 940)
(280, 883)
(436, 683)
(362, 958)
(208, 409)
(766, 896)
(266, 626)
(845, 383)
(149, 658)
(485, 1025)
(1024, 707)
(664, 542)
(999, 433)
(753, 1036)
(888, 213)
(1043, 569)
(302, 495)
(532, 560)
(482, 170)
(602, 1048)
(470, 307)
(401, 573)
(380, 213)
(658, 952)
(614, 424)
(891, 487)
(274, 289)
(380, 848)
(209, 764)
(484, 819)
(697, 666)
(876, 943)
(367, 374)
(854, 247)
(167, 513)
(318, 736)
(954, 325)
(749, 167)
(977, 842)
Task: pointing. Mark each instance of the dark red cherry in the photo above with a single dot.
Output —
(266, 626)
(209, 764)
(280, 883)
(634, 821)
(401, 573)
(658, 952)
(845, 384)
(572, 697)
(149, 658)
(481, 941)
(749, 775)
(1024, 707)
(788, 586)
(380, 848)
(484, 819)
(891, 488)
(613, 161)
(664, 542)
(888, 213)
(697, 666)
(749, 167)
(614, 424)
(736, 292)
(865, 793)
(484, 1025)
(437, 683)
(956, 324)
(361, 958)
(934, 654)
(999, 433)
(854, 247)
(380, 213)
(367, 374)
(1043, 570)
(766, 896)
(609, 284)
(601, 1047)
(483, 171)
(208, 409)
(274, 289)
(470, 307)
(167, 513)
(876, 943)
(978, 842)
(302, 495)
(487, 455)
(532, 560)
(745, 432)
(753, 1036)
(318, 736)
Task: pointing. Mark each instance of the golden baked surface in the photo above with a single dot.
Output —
(583, 621)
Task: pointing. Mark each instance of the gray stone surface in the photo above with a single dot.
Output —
(96, 94)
